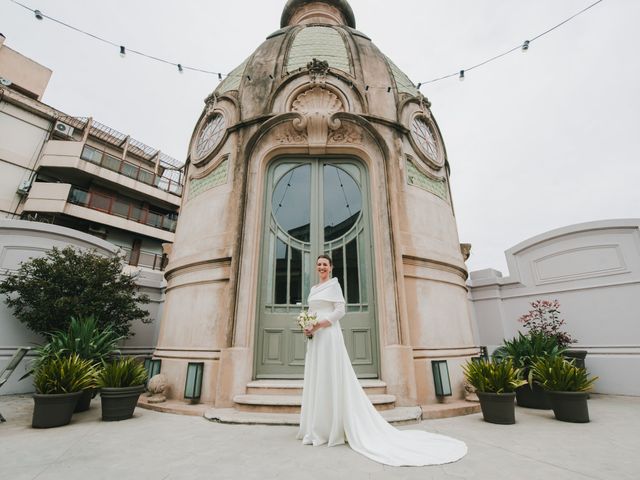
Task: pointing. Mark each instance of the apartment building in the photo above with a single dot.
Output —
(78, 173)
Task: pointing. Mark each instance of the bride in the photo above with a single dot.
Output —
(336, 409)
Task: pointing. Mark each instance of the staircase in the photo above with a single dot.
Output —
(285, 396)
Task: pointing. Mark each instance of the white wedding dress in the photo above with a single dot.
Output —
(335, 408)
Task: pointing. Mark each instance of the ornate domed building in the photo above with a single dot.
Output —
(317, 143)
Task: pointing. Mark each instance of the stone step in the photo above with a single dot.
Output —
(292, 403)
(294, 387)
(396, 416)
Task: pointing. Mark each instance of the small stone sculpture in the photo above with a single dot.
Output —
(157, 387)
(470, 393)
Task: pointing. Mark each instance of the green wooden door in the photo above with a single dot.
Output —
(314, 206)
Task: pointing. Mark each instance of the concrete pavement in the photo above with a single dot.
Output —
(170, 447)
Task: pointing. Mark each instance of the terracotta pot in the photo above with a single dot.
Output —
(532, 396)
(498, 408)
(570, 406)
(578, 356)
(119, 403)
(84, 403)
(53, 410)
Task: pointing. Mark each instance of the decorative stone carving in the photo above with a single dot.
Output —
(289, 136)
(347, 133)
(465, 249)
(157, 388)
(214, 179)
(318, 70)
(316, 106)
(470, 394)
(420, 179)
(211, 101)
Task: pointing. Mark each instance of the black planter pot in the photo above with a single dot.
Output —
(53, 410)
(498, 408)
(532, 396)
(578, 356)
(119, 403)
(570, 406)
(84, 403)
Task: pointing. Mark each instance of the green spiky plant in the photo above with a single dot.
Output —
(64, 374)
(493, 376)
(123, 372)
(525, 350)
(84, 337)
(559, 375)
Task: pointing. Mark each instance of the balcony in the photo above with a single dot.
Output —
(151, 260)
(124, 173)
(102, 208)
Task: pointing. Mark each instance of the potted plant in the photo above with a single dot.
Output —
(567, 386)
(495, 382)
(544, 318)
(524, 351)
(121, 382)
(59, 382)
(86, 338)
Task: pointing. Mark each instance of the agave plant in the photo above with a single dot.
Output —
(64, 374)
(493, 376)
(558, 375)
(524, 350)
(85, 338)
(124, 372)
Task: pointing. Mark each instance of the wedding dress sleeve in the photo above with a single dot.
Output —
(337, 313)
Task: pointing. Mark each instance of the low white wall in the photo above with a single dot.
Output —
(21, 240)
(593, 269)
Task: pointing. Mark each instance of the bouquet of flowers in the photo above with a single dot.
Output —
(305, 319)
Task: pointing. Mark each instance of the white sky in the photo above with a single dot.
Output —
(536, 141)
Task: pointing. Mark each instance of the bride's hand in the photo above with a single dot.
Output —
(309, 331)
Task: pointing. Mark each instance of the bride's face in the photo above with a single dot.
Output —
(324, 268)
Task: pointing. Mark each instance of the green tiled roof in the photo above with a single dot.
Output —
(419, 179)
(232, 82)
(323, 43)
(402, 81)
(214, 179)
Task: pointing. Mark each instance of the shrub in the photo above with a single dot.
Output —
(85, 338)
(46, 292)
(524, 350)
(544, 319)
(64, 374)
(124, 372)
(558, 375)
(493, 376)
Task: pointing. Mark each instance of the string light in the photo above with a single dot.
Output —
(524, 47)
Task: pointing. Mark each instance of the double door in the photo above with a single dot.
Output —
(314, 206)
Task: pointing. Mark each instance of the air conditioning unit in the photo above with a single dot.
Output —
(63, 129)
(24, 187)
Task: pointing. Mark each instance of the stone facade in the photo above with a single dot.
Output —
(316, 89)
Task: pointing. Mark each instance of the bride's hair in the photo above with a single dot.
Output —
(326, 257)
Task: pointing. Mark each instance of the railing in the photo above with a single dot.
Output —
(131, 170)
(154, 261)
(122, 207)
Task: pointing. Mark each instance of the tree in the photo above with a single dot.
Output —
(46, 292)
